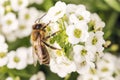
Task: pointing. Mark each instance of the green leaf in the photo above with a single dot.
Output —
(47, 4)
(114, 4)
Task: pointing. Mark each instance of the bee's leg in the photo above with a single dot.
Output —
(47, 37)
(50, 46)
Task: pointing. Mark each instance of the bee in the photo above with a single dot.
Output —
(39, 44)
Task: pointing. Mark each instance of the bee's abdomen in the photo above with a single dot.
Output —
(45, 56)
(46, 59)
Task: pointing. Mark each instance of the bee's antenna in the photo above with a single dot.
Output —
(38, 19)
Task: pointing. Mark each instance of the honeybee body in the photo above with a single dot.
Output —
(40, 52)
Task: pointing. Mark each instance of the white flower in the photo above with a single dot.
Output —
(117, 77)
(70, 9)
(52, 28)
(87, 77)
(79, 15)
(117, 67)
(81, 52)
(2, 10)
(18, 4)
(17, 59)
(106, 66)
(77, 33)
(60, 64)
(26, 20)
(3, 59)
(83, 66)
(39, 76)
(3, 51)
(56, 12)
(9, 78)
(96, 40)
(107, 78)
(96, 22)
(23, 30)
(9, 23)
(11, 36)
(28, 16)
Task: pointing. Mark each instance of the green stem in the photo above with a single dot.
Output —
(110, 24)
(67, 77)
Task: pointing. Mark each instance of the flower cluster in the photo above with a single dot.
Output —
(106, 69)
(18, 59)
(16, 19)
(79, 36)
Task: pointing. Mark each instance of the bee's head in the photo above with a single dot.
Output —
(37, 26)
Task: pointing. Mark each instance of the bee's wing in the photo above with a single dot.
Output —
(37, 52)
(35, 58)
(42, 53)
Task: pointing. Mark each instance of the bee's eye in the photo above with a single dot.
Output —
(37, 26)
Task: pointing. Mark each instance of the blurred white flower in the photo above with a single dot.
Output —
(17, 59)
(56, 12)
(28, 15)
(107, 78)
(106, 66)
(9, 23)
(11, 37)
(117, 77)
(18, 4)
(2, 11)
(26, 20)
(96, 22)
(23, 30)
(9, 78)
(39, 76)
(77, 33)
(29, 56)
(83, 66)
(3, 58)
(3, 51)
(87, 77)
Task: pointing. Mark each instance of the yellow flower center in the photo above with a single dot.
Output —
(9, 22)
(20, 2)
(2, 55)
(16, 59)
(93, 71)
(77, 33)
(27, 16)
(80, 18)
(57, 13)
(21, 27)
(83, 63)
(105, 69)
(59, 53)
(83, 52)
(94, 40)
